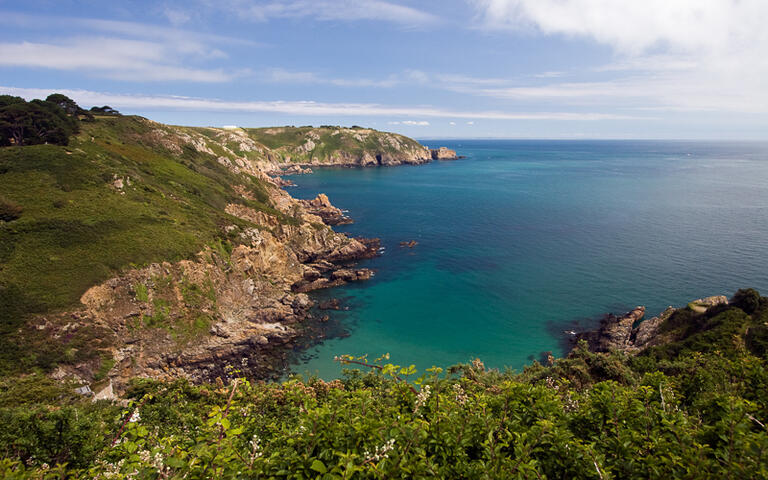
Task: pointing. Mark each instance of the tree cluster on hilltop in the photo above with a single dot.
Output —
(52, 120)
(49, 121)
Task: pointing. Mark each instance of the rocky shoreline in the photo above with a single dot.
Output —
(363, 160)
(629, 333)
(240, 306)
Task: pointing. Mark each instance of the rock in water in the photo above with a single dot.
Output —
(322, 207)
(443, 153)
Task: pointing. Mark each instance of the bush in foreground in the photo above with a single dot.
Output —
(681, 412)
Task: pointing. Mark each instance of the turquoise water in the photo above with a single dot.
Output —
(524, 239)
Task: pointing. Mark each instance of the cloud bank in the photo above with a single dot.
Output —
(683, 54)
(309, 108)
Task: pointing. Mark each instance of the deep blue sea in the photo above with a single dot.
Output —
(522, 240)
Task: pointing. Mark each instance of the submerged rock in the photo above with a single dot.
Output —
(332, 304)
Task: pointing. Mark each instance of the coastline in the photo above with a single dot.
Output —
(231, 299)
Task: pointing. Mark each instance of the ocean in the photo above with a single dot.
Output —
(523, 240)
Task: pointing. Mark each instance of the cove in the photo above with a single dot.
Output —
(522, 240)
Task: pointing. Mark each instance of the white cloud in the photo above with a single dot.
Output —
(551, 74)
(118, 50)
(177, 16)
(680, 54)
(107, 57)
(194, 40)
(451, 123)
(470, 123)
(327, 10)
(634, 26)
(149, 102)
(280, 75)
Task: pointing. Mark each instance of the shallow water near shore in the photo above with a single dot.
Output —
(522, 240)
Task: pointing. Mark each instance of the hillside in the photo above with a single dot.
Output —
(153, 250)
(339, 146)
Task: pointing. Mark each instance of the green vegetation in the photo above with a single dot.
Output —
(114, 198)
(126, 192)
(52, 121)
(692, 408)
(329, 141)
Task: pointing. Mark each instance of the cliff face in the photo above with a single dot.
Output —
(338, 146)
(630, 333)
(194, 262)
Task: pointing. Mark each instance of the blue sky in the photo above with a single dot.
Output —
(427, 68)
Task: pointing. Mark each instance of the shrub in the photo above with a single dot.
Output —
(747, 299)
(9, 210)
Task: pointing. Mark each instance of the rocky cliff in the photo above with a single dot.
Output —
(630, 333)
(336, 146)
(159, 251)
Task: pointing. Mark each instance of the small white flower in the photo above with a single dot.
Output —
(135, 417)
(144, 456)
(421, 398)
(460, 396)
(381, 452)
(255, 447)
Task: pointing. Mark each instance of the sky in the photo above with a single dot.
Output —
(561, 69)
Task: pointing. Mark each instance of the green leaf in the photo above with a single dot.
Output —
(318, 466)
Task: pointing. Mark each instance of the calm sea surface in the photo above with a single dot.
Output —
(525, 239)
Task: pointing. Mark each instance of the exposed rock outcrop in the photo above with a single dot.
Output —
(240, 302)
(243, 309)
(322, 207)
(614, 332)
(443, 153)
(630, 333)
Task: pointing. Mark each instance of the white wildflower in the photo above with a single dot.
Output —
(570, 405)
(144, 456)
(135, 417)
(380, 453)
(157, 461)
(461, 397)
(551, 383)
(255, 448)
(421, 398)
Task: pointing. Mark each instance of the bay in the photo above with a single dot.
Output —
(522, 240)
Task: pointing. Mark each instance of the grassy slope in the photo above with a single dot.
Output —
(285, 139)
(78, 230)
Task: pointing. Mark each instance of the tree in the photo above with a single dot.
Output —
(6, 100)
(105, 110)
(65, 103)
(35, 122)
